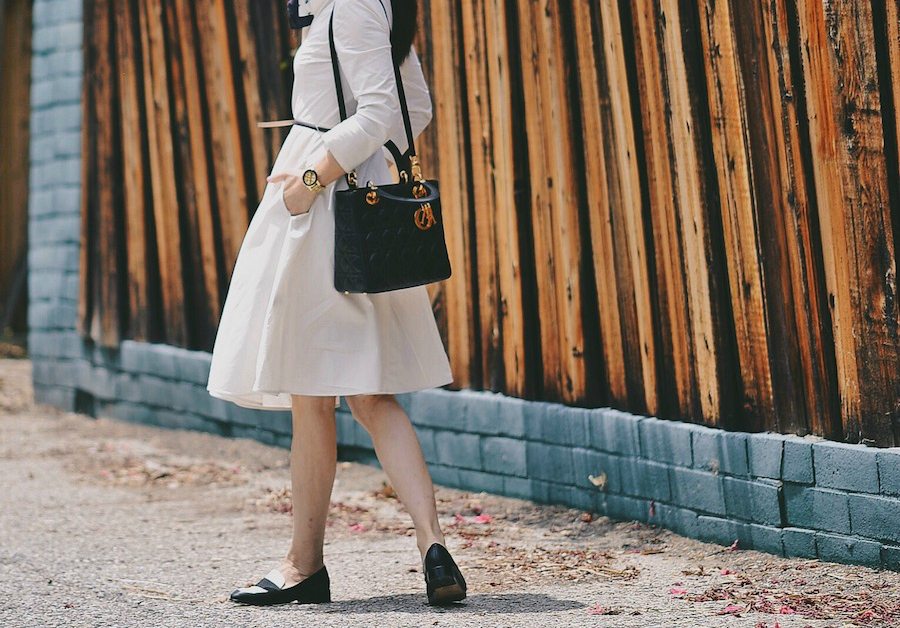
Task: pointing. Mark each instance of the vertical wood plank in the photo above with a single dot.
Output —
(229, 181)
(489, 103)
(15, 113)
(798, 326)
(679, 386)
(616, 208)
(729, 127)
(449, 97)
(249, 81)
(133, 170)
(105, 325)
(850, 169)
(681, 224)
(554, 200)
(86, 264)
(478, 108)
(163, 175)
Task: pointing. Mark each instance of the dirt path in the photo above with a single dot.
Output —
(107, 523)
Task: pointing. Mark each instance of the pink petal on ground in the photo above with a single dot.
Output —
(677, 591)
(484, 518)
(731, 609)
(357, 527)
(786, 610)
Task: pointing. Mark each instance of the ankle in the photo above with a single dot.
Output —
(426, 541)
(303, 566)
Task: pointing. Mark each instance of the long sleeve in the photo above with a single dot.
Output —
(362, 41)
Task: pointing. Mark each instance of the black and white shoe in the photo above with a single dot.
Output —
(444, 583)
(269, 590)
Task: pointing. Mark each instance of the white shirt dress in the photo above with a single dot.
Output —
(284, 328)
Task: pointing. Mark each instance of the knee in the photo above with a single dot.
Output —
(367, 408)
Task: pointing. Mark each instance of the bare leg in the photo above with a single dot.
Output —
(313, 465)
(400, 454)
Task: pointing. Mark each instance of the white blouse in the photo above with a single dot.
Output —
(362, 30)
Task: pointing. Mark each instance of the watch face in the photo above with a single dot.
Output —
(310, 177)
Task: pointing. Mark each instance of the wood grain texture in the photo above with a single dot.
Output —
(684, 208)
(448, 100)
(740, 206)
(847, 143)
(163, 174)
(15, 65)
(554, 199)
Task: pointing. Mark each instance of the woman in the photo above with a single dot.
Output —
(288, 339)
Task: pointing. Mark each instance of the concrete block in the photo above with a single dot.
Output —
(845, 467)
(642, 478)
(162, 360)
(799, 543)
(458, 449)
(817, 509)
(679, 520)
(553, 463)
(503, 455)
(588, 462)
(889, 471)
(890, 557)
(432, 408)
(723, 531)
(481, 411)
(517, 487)
(615, 432)
(344, 427)
(426, 442)
(875, 517)
(666, 441)
(697, 490)
(511, 416)
(470, 480)
(562, 425)
(765, 455)
(846, 549)
(720, 451)
(97, 380)
(767, 539)
(798, 461)
(625, 508)
(753, 501)
(276, 421)
(193, 366)
(58, 396)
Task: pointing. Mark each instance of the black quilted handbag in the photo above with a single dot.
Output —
(388, 237)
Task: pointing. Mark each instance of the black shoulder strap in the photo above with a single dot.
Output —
(403, 161)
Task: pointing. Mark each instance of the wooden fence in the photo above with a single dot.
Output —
(683, 208)
(15, 66)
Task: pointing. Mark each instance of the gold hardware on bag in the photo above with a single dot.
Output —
(419, 191)
(372, 197)
(351, 178)
(415, 167)
(424, 217)
(403, 176)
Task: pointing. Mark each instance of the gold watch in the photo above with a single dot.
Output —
(311, 181)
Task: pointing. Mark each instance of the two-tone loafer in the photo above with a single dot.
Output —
(270, 590)
(444, 583)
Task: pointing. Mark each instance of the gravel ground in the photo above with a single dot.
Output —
(108, 523)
